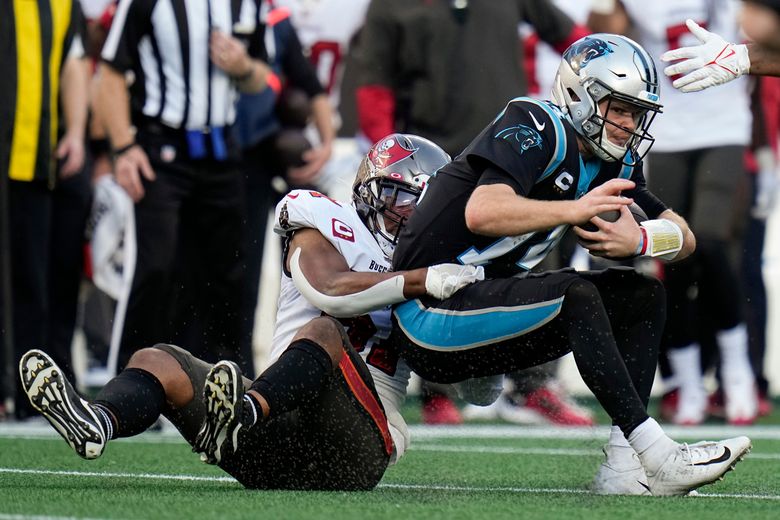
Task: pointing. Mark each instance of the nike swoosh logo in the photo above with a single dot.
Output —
(644, 485)
(539, 126)
(723, 458)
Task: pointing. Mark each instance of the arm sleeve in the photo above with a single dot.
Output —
(652, 205)
(553, 25)
(131, 21)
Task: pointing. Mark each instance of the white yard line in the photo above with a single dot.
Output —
(468, 431)
(430, 487)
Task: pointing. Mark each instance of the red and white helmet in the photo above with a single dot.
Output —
(389, 181)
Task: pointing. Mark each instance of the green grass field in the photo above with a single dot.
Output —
(475, 471)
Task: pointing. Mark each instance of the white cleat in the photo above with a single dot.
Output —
(54, 397)
(691, 466)
(621, 474)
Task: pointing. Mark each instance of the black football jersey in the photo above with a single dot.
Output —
(532, 148)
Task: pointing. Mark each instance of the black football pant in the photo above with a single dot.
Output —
(611, 320)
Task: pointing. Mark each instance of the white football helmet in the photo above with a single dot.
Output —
(608, 65)
(389, 181)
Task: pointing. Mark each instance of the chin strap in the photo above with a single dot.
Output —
(661, 238)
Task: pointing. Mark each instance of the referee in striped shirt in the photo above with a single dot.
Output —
(169, 78)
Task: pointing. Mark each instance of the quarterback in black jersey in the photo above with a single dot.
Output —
(538, 169)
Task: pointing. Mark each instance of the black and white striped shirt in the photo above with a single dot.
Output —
(165, 45)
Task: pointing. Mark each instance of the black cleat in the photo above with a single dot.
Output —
(224, 395)
(54, 397)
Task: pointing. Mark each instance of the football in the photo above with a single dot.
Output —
(613, 215)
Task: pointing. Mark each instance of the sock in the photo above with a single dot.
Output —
(733, 347)
(296, 378)
(135, 397)
(651, 444)
(686, 364)
(251, 411)
(106, 420)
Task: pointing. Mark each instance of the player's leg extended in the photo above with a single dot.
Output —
(126, 406)
(295, 378)
(312, 420)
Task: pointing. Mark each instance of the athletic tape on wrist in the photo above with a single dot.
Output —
(662, 238)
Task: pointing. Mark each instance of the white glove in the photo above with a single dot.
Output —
(444, 280)
(767, 184)
(714, 62)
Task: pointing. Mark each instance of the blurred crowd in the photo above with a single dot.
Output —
(143, 146)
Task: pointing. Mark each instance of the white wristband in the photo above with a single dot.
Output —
(662, 238)
(603, 6)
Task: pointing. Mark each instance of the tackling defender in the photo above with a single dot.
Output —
(321, 416)
(504, 203)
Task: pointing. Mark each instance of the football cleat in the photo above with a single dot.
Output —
(54, 397)
(439, 409)
(224, 396)
(690, 466)
(621, 474)
(552, 403)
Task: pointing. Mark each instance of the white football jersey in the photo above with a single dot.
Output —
(340, 224)
(325, 29)
(713, 117)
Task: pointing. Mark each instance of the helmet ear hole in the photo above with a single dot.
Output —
(573, 95)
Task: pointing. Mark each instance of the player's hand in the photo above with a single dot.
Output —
(71, 150)
(617, 239)
(605, 197)
(714, 62)
(309, 173)
(229, 54)
(128, 169)
(444, 280)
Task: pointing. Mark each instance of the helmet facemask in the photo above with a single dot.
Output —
(639, 141)
(389, 182)
(393, 204)
(615, 68)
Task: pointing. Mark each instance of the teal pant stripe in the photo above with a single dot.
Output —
(439, 329)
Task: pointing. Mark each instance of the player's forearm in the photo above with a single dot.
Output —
(114, 107)
(347, 283)
(255, 79)
(322, 115)
(74, 90)
(608, 16)
(689, 239)
(496, 214)
(763, 61)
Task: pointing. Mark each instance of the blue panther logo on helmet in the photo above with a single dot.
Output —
(580, 54)
(526, 136)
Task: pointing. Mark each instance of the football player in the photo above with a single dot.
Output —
(536, 170)
(325, 414)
